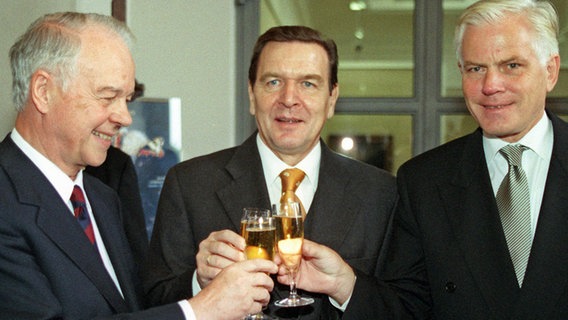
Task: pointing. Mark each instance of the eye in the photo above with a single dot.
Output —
(273, 82)
(474, 69)
(513, 65)
(308, 84)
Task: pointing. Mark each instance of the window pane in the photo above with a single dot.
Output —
(451, 80)
(381, 140)
(453, 126)
(561, 89)
(375, 44)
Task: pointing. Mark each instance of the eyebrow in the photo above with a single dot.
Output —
(302, 77)
(114, 90)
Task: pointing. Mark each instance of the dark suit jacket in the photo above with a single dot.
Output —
(449, 258)
(48, 268)
(351, 213)
(118, 172)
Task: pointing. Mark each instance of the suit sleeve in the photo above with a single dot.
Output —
(171, 263)
(27, 292)
(401, 290)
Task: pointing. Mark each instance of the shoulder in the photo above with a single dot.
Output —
(445, 158)
(212, 161)
(97, 189)
(365, 182)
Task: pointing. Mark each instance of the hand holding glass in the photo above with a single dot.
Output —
(290, 237)
(257, 227)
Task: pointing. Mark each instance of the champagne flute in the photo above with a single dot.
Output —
(257, 227)
(290, 237)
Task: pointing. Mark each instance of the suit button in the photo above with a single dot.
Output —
(450, 287)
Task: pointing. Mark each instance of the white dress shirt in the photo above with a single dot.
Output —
(273, 166)
(535, 162)
(64, 187)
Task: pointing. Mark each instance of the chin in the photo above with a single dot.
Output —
(97, 160)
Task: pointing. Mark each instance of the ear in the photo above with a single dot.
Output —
(40, 94)
(252, 101)
(332, 101)
(460, 68)
(552, 70)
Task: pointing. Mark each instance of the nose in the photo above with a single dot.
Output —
(121, 114)
(492, 82)
(289, 94)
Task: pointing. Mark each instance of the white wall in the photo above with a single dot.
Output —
(184, 49)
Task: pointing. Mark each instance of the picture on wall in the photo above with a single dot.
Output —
(153, 141)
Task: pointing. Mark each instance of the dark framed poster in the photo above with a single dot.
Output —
(153, 141)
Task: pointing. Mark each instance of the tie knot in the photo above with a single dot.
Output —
(513, 153)
(77, 197)
(291, 179)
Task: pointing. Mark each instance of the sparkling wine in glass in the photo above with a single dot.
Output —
(257, 227)
(289, 238)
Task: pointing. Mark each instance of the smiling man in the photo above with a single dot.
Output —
(63, 251)
(481, 229)
(293, 89)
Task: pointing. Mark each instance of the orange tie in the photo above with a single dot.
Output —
(291, 179)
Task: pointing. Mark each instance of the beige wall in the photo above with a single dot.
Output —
(184, 49)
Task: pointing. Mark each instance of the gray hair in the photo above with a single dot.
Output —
(52, 43)
(541, 14)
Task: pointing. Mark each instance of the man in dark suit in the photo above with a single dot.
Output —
(293, 90)
(453, 255)
(63, 250)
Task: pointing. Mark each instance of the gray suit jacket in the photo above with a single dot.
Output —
(48, 268)
(449, 258)
(350, 213)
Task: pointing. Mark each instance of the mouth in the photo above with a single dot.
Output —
(288, 120)
(102, 135)
(496, 106)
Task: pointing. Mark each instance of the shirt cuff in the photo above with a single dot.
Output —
(187, 310)
(344, 305)
(195, 287)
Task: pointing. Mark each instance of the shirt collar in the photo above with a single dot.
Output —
(60, 181)
(541, 132)
(272, 165)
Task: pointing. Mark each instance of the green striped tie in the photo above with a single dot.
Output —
(513, 201)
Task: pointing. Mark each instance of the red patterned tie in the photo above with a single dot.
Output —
(81, 213)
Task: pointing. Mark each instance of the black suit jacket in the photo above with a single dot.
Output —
(449, 258)
(350, 212)
(48, 268)
(118, 172)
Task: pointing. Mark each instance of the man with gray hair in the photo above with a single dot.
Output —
(481, 229)
(63, 250)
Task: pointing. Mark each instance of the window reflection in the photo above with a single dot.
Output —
(374, 40)
(453, 126)
(378, 139)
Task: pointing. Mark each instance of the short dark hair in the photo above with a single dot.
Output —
(295, 33)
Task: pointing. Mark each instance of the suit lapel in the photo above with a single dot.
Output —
(56, 221)
(546, 278)
(69, 237)
(109, 225)
(331, 207)
(472, 212)
(247, 188)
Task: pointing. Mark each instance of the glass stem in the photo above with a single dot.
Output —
(293, 291)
